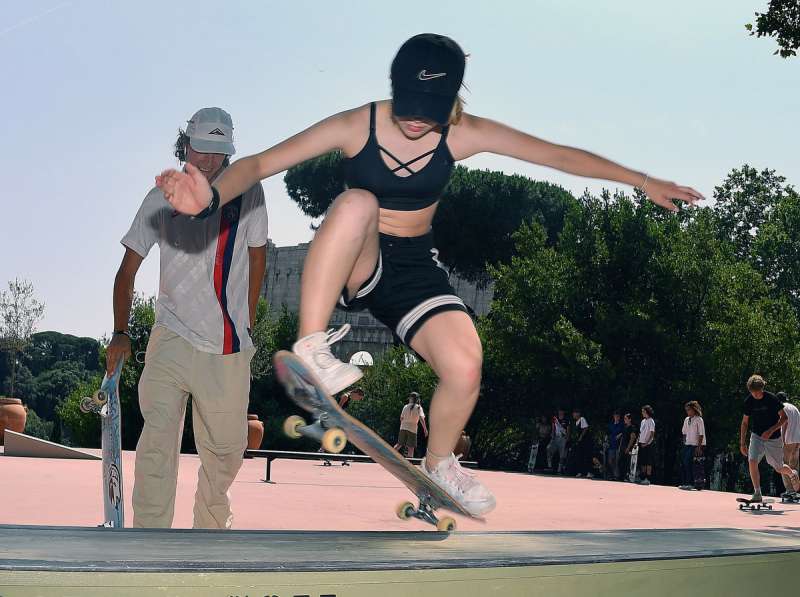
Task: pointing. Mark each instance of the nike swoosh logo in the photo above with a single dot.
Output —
(424, 76)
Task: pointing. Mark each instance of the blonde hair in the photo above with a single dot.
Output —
(756, 382)
(458, 110)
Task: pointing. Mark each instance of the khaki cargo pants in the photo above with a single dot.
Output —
(220, 388)
(791, 456)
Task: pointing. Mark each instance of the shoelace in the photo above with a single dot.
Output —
(461, 479)
(324, 356)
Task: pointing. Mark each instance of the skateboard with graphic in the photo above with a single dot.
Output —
(746, 504)
(333, 428)
(105, 402)
(634, 463)
(534, 454)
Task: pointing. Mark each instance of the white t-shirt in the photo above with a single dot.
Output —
(582, 424)
(205, 267)
(646, 431)
(792, 435)
(693, 428)
(409, 417)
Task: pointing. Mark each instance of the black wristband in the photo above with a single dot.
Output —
(212, 206)
(121, 333)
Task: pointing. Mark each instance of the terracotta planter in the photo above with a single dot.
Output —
(255, 432)
(12, 416)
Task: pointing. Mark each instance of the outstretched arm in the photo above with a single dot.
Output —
(189, 193)
(482, 135)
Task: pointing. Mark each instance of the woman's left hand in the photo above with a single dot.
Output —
(664, 193)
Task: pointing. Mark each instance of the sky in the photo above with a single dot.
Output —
(93, 94)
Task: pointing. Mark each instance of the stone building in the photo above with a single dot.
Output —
(282, 287)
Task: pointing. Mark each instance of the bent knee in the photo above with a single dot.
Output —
(464, 369)
(357, 200)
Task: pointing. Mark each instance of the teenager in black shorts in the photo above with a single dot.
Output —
(375, 247)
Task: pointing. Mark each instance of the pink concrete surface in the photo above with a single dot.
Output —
(309, 496)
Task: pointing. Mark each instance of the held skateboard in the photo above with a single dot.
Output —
(746, 504)
(334, 428)
(699, 471)
(105, 402)
(634, 462)
(534, 454)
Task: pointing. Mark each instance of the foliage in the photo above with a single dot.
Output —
(35, 426)
(781, 21)
(20, 312)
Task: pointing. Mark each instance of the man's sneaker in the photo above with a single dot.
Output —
(315, 350)
(756, 497)
(644, 482)
(470, 493)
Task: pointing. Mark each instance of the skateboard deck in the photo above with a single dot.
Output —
(746, 504)
(534, 454)
(699, 471)
(634, 462)
(305, 390)
(105, 402)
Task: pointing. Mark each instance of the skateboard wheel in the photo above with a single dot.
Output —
(405, 510)
(100, 397)
(291, 426)
(334, 440)
(446, 524)
(86, 404)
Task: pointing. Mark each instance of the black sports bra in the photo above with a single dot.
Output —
(421, 188)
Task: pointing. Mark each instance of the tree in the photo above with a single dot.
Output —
(20, 312)
(631, 306)
(781, 21)
(478, 212)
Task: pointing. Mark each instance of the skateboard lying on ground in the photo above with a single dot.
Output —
(746, 504)
(105, 402)
(334, 428)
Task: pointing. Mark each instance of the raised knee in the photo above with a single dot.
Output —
(466, 371)
(358, 201)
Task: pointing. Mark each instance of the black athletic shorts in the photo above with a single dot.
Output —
(408, 286)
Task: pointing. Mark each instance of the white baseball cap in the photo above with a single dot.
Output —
(210, 130)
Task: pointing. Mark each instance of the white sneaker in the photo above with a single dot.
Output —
(470, 493)
(315, 350)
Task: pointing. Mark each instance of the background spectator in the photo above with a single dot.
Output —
(694, 438)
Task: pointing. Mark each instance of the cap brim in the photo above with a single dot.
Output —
(431, 106)
(204, 146)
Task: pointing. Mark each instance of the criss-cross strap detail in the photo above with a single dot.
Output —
(401, 164)
(408, 163)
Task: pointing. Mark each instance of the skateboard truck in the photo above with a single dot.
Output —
(333, 439)
(95, 403)
(426, 513)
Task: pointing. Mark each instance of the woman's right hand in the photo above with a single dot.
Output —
(187, 192)
(743, 450)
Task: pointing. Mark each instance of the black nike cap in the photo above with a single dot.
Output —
(426, 76)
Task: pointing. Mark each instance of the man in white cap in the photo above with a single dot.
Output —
(210, 279)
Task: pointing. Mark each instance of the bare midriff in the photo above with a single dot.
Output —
(406, 223)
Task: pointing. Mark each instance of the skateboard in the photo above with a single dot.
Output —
(746, 504)
(333, 428)
(532, 457)
(634, 462)
(699, 471)
(105, 402)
